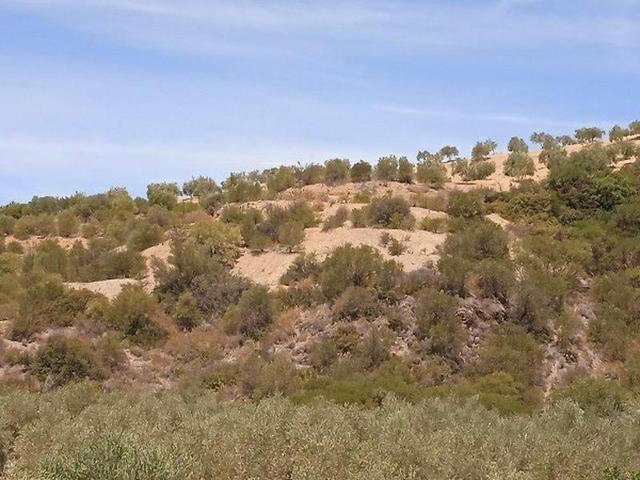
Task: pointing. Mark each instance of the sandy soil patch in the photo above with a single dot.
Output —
(108, 288)
(267, 268)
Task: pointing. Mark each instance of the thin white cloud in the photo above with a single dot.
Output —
(487, 117)
(205, 26)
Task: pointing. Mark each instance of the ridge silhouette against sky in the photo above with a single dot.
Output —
(99, 93)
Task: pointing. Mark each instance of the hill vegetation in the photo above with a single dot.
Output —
(437, 318)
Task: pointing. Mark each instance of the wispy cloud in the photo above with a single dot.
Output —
(197, 24)
(506, 118)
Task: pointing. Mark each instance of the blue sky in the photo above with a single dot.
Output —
(100, 93)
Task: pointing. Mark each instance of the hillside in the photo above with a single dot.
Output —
(511, 280)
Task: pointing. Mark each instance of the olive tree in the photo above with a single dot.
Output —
(589, 134)
(517, 144)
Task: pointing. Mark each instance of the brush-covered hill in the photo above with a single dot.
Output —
(511, 278)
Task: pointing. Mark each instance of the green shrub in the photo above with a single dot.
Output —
(355, 266)
(396, 247)
(200, 187)
(482, 150)
(496, 279)
(291, 235)
(61, 360)
(405, 170)
(600, 397)
(356, 302)
(163, 194)
(517, 144)
(253, 313)
(432, 172)
(336, 170)
(358, 217)
(519, 164)
(188, 315)
(513, 351)
(478, 170)
(360, 172)
(132, 312)
(390, 212)
(466, 204)
(281, 179)
(67, 224)
(312, 174)
(303, 266)
(436, 320)
(589, 134)
(144, 235)
(477, 241)
(7, 224)
(387, 169)
(434, 225)
(336, 220)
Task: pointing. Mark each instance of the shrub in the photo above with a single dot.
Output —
(553, 156)
(67, 224)
(496, 279)
(303, 213)
(594, 395)
(336, 220)
(390, 212)
(478, 170)
(281, 179)
(188, 315)
(6, 224)
(359, 217)
(312, 173)
(466, 204)
(627, 218)
(513, 351)
(163, 194)
(218, 239)
(238, 189)
(200, 187)
(432, 172)
(517, 144)
(453, 274)
(396, 247)
(10, 262)
(433, 308)
(253, 313)
(303, 266)
(323, 353)
(144, 235)
(589, 134)
(360, 172)
(449, 152)
(61, 360)
(291, 235)
(519, 164)
(405, 170)
(374, 349)
(49, 257)
(617, 133)
(350, 266)
(336, 170)
(132, 313)
(387, 168)
(356, 302)
(434, 225)
(482, 150)
(543, 139)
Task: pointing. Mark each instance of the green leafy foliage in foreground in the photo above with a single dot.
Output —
(79, 433)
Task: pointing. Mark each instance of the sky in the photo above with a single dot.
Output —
(102, 93)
